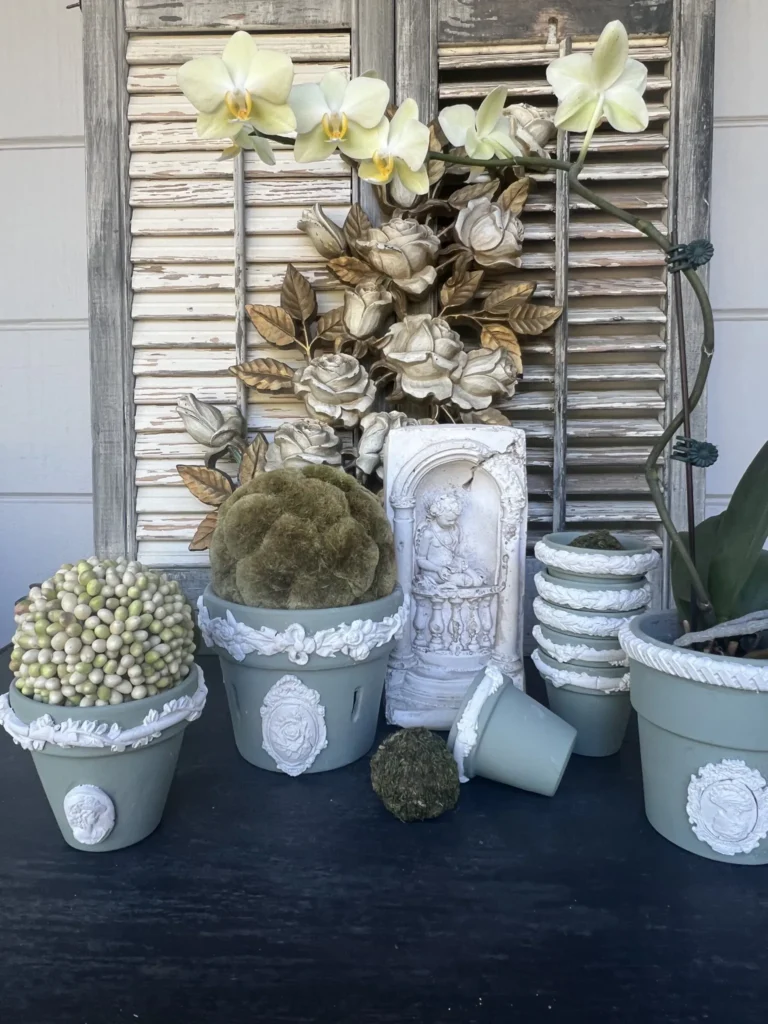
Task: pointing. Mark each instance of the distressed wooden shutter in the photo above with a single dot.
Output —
(202, 237)
(598, 387)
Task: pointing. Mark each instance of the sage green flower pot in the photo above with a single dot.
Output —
(503, 734)
(108, 785)
(632, 563)
(304, 687)
(703, 723)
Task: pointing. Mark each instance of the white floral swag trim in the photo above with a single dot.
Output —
(565, 653)
(354, 639)
(625, 600)
(467, 726)
(102, 735)
(576, 677)
(586, 562)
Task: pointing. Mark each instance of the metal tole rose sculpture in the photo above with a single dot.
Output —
(424, 331)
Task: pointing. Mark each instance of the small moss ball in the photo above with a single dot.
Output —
(415, 775)
(302, 538)
(600, 540)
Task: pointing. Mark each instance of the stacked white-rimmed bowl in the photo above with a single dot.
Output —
(585, 596)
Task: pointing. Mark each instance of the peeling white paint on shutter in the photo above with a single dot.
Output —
(183, 266)
(617, 294)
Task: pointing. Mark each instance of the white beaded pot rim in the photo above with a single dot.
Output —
(95, 734)
(581, 624)
(694, 666)
(579, 652)
(583, 680)
(589, 562)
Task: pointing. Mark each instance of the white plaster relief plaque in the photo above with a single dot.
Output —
(90, 814)
(728, 807)
(457, 499)
(293, 725)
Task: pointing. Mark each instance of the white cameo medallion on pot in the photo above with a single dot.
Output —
(293, 725)
(728, 807)
(90, 814)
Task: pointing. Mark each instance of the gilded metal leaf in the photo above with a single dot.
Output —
(202, 539)
(459, 199)
(491, 416)
(500, 336)
(515, 196)
(254, 457)
(264, 374)
(273, 323)
(530, 319)
(356, 223)
(297, 295)
(210, 486)
(331, 324)
(460, 289)
(508, 295)
(352, 270)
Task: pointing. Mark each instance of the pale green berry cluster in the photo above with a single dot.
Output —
(102, 632)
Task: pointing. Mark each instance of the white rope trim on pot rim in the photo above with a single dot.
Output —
(570, 677)
(96, 735)
(732, 673)
(565, 653)
(354, 639)
(466, 727)
(605, 627)
(586, 562)
(625, 600)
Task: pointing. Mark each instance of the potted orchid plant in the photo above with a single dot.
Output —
(377, 356)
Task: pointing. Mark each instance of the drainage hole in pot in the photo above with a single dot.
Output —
(356, 704)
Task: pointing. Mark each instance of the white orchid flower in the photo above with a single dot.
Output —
(337, 113)
(400, 152)
(606, 83)
(244, 87)
(484, 133)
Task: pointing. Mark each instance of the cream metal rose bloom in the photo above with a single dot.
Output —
(210, 426)
(424, 351)
(335, 389)
(531, 128)
(245, 87)
(365, 310)
(376, 427)
(606, 83)
(337, 113)
(482, 375)
(303, 443)
(493, 235)
(404, 251)
(326, 236)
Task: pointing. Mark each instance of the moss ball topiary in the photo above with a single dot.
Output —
(600, 540)
(415, 775)
(302, 538)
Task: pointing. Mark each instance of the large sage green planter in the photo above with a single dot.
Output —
(585, 597)
(503, 734)
(106, 770)
(304, 687)
(703, 724)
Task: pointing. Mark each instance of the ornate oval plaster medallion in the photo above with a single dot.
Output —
(293, 725)
(90, 814)
(728, 807)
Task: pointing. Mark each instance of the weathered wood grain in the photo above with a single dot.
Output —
(161, 78)
(562, 292)
(520, 90)
(373, 49)
(416, 49)
(472, 56)
(106, 158)
(197, 15)
(260, 192)
(208, 165)
(177, 49)
(479, 21)
(261, 220)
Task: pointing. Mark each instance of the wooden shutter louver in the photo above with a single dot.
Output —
(195, 221)
(617, 295)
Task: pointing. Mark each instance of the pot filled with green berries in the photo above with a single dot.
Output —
(104, 685)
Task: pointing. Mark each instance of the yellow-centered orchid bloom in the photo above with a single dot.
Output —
(484, 133)
(244, 87)
(606, 83)
(337, 113)
(400, 152)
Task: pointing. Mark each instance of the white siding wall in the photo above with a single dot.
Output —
(738, 409)
(45, 458)
(45, 480)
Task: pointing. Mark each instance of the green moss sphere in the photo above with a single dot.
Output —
(415, 775)
(600, 540)
(302, 538)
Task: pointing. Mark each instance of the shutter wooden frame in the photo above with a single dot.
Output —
(400, 39)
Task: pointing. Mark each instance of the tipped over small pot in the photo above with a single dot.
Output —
(106, 771)
(503, 734)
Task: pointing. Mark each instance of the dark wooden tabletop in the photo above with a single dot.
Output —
(270, 900)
